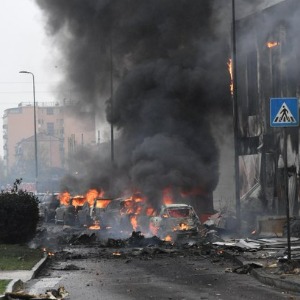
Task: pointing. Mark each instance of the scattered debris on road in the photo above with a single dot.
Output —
(58, 294)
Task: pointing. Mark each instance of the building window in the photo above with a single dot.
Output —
(50, 128)
(50, 111)
(252, 83)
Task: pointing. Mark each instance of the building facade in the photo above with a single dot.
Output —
(60, 133)
(268, 66)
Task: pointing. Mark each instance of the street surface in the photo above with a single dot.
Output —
(93, 272)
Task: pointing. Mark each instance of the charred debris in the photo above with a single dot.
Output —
(70, 243)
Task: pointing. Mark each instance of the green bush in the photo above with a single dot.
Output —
(19, 215)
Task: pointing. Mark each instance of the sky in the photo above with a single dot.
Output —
(25, 46)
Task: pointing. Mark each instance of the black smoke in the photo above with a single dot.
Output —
(170, 84)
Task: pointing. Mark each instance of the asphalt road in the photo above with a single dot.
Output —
(94, 273)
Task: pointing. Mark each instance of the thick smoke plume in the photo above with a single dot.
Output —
(170, 84)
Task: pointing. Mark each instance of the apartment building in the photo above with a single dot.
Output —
(59, 134)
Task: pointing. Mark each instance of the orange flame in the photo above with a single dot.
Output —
(272, 44)
(183, 226)
(49, 253)
(150, 211)
(134, 223)
(96, 226)
(91, 195)
(64, 198)
(167, 196)
(168, 238)
(102, 203)
(153, 229)
(229, 65)
(78, 201)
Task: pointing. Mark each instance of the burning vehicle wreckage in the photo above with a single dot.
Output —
(126, 222)
(131, 221)
(126, 228)
(129, 228)
(117, 218)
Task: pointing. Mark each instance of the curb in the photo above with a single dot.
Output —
(277, 282)
(264, 278)
(17, 284)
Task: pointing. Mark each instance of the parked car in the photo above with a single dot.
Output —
(174, 219)
(68, 214)
(47, 207)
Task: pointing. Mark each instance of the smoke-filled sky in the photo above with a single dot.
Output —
(170, 81)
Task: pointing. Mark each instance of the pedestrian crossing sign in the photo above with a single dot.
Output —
(284, 112)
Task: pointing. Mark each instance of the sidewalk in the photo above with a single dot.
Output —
(19, 277)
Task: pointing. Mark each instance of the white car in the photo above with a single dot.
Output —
(174, 219)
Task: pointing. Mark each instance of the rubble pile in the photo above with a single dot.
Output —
(71, 243)
(137, 246)
(60, 293)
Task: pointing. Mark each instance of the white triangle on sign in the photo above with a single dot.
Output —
(284, 115)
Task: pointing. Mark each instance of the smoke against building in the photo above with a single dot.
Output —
(168, 65)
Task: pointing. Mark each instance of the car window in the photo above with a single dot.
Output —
(179, 212)
(103, 203)
(78, 201)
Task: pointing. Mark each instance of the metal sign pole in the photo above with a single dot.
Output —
(235, 122)
(286, 193)
(284, 112)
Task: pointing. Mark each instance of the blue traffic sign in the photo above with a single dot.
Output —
(284, 112)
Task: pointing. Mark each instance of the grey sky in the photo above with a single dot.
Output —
(25, 46)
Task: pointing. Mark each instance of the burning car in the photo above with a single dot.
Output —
(174, 219)
(98, 209)
(67, 212)
(117, 214)
(91, 214)
(84, 215)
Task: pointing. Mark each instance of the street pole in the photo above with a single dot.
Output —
(235, 120)
(111, 104)
(34, 126)
(286, 195)
(112, 148)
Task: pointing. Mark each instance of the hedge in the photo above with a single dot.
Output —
(19, 215)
